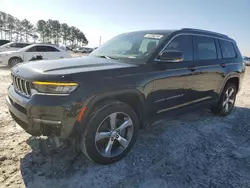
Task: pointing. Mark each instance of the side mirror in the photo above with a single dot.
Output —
(171, 56)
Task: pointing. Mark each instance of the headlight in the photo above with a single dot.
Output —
(54, 87)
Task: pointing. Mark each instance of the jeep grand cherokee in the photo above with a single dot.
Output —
(101, 100)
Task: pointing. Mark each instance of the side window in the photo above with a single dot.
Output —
(51, 49)
(184, 44)
(205, 48)
(38, 49)
(32, 49)
(227, 49)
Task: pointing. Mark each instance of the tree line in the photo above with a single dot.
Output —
(50, 31)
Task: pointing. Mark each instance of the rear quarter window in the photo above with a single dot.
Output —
(227, 49)
(51, 49)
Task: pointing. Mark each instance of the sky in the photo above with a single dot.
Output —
(111, 17)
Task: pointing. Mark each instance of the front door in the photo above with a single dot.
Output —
(174, 82)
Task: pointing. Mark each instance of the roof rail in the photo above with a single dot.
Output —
(205, 31)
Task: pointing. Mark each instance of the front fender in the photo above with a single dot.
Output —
(97, 100)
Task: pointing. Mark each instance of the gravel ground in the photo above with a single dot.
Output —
(193, 150)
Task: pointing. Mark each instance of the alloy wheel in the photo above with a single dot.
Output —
(15, 61)
(229, 99)
(114, 134)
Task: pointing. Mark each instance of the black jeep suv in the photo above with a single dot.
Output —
(101, 100)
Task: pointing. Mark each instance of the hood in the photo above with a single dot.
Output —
(6, 52)
(69, 66)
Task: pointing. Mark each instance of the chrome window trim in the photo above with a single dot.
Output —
(203, 35)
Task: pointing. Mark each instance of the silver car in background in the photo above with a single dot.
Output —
(246, 60)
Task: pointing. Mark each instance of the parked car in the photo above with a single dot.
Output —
(2, 42)
(247, 60)
(75, 50)
(83, 50)
(88, 50)
(101, 100)
(50, 52)
(13, 46)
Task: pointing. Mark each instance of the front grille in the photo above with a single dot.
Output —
(21, 85)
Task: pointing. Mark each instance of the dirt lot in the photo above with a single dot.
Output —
(195, 150)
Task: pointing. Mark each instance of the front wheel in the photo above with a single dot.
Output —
(111, 133)
(14, 61)
(227, 100)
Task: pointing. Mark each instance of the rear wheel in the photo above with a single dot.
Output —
(14, 61)
(111, 133)
(227, 100)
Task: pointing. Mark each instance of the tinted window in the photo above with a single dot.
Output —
(205, 48)
(2, 42)
(19, 45)
(51, 49)
(43, 49)
(33, 49)
(227, 49)
(183, 44)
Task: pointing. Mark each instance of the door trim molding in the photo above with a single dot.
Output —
(184, 104)
(168, 98)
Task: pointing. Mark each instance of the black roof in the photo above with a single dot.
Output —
(155, 31)
(205, 32)
(189, 30)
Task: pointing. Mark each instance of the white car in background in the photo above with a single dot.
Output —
(246, 60)
(28, 53)
(13, 46)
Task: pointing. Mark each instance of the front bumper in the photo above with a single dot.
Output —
(43, 114)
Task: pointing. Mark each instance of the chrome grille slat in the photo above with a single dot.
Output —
(21, 85)
(25, 86)
(17, 83)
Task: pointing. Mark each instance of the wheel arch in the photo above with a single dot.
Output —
(133, 97)
(234, 78)
(14, 58)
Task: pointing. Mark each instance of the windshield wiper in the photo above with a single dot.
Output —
(106, 57)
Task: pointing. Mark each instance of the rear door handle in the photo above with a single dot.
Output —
(192, 68)
(223, 65)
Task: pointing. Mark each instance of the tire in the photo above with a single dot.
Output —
(225, 104)
(95, 147)
(14, 61)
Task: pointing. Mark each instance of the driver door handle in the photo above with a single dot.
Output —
(192, 68)
(223, 65)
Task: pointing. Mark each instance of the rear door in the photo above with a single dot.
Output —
(210, 70)
(32, 52)
(52, 53)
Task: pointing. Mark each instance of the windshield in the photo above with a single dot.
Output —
(6, 45)
(134, 46)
